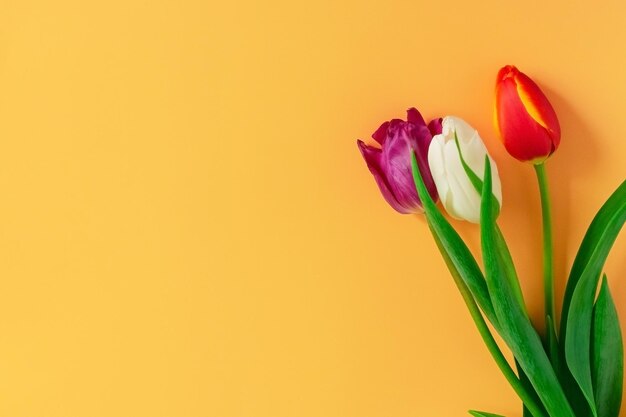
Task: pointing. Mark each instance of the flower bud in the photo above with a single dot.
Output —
(391, 163)
(456, 191)
(524, 117)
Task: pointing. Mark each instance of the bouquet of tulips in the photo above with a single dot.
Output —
(572, 369)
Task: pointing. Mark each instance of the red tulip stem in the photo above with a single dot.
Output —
(548, 260)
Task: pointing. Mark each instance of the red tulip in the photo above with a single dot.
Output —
(526, 121)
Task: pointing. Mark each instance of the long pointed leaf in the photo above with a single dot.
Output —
(578, 338)
(607, 356)
(585, 275)
(552, 344)
(507, 259)
(483, 414)
(433, 217)
(516, 328)
(459, 253)
(577, 400)
(526, 383)
(600, 229)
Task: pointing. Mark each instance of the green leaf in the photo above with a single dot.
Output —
(577, 400)
(578, 302)
(507, 259)
(483, 414)
(526, 395)
(459, 253)
(473, 177)
(526, 412)
(509, 268)
(602, 228)
(553, 344)
(516, 328)
(526, 383)
(607, 355)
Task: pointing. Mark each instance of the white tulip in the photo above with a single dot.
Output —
(457, 194)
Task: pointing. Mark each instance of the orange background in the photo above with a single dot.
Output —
(188, 229)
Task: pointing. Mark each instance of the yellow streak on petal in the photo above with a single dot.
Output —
(496, 119)
(530, 107)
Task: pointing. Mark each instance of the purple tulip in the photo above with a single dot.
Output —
(391, 164)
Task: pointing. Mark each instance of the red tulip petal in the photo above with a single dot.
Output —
(538, 106)
(523, 137)
(506, 72)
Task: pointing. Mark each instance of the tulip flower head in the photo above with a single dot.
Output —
(524, 117)
(456, 191)
(391, 163)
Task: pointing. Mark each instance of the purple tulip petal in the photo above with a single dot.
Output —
(414, 116)
(395, 163)
(372, 158)
(422, 137)
(394, 125)
(419, 138)
(381, 133)
(435, 126)
(370, 154)
(391, 165)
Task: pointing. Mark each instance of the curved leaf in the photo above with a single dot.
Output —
(584, 276)
(460, 255)
(524, 380)
(607, 355)
(516, 328)
(507, 259)
(483, 414)
(552, 344)
(600, 229)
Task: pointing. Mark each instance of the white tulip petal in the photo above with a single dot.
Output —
(437, 166)
(456, 191)
(464, 198)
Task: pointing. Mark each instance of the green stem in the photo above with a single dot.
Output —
(548, 261)
(526, 397)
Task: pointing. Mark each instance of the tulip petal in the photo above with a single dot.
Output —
(436, 162)
(464, 131)
(538, 107)
(393, 163)
(441, 158)
(381, 133)
(456, 190)
(524, 117)
(464, 201)
(523, 137)
(391, 166)
(475, 150)
(435, 126)
(415, 117)
(420, 139)
(372, 158)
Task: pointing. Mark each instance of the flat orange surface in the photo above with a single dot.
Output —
(187, 228)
